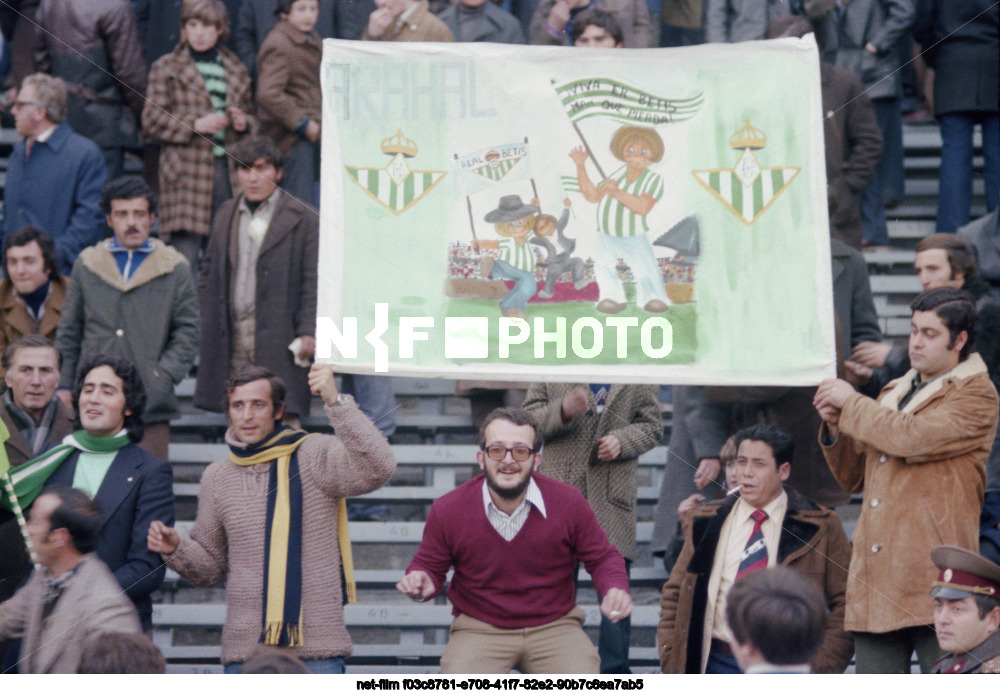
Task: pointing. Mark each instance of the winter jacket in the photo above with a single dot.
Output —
(922, 471)
(177, 97)
(151, 320)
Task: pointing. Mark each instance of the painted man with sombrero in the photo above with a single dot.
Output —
(514, 221)
(966, 612)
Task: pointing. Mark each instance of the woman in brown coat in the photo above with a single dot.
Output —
(199, 103)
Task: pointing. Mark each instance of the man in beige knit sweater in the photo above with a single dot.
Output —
(277, 501)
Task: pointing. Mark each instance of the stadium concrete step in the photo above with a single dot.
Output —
(412, 634)
(926, 137)
(900, 229)
(880, 261)
(929, 187)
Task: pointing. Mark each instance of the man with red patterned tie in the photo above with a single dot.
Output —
(761, 524)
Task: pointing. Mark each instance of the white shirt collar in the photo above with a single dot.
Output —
(533, 496)
(46, 135)
(743, 510)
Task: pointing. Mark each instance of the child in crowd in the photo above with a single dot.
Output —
(288, 94)
(728, 458)
(199, 103)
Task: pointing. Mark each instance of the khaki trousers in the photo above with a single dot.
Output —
(558, 647)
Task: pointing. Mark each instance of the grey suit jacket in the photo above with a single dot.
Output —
(983, 237)
(91, 603)
(499, 27)
(734, 21)
(880, 22)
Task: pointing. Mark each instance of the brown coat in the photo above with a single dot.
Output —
(421, 25)
(15, 321)
(812, 541)
(285, 304)
(288, 82)
(177, 96)
(922, 471)
(632, 413)
(853, 147)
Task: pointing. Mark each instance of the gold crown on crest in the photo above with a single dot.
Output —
(399, 144)
(748, 137)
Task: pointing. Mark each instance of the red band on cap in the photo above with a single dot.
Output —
(956, 578)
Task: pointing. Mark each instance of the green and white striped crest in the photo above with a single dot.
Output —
(747, 189)
(396, 187)
(496, 171)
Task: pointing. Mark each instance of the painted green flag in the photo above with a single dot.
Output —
(610, 98)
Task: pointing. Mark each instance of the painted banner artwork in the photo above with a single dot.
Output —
(547, 213)
(747, 189)
(608, 98)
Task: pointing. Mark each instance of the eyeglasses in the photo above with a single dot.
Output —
(518, 453)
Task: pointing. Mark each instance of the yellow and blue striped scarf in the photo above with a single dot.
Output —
(282, 614)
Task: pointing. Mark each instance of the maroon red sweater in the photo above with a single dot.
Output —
(528, 581)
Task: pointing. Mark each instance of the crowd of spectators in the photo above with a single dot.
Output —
(115, 284)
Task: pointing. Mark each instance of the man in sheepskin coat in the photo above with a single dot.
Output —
(133, 296)
(918, 453)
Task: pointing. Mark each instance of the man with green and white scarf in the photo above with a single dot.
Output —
(132, 487)
(272, 523)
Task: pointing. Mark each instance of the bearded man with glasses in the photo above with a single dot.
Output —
(514, 539)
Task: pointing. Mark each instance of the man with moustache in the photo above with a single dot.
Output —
(132, 296)
(515, 538)
(766, 524)
(966, 612)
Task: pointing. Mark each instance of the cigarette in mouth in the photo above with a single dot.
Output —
(734, 490)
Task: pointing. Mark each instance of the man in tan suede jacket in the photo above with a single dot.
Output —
(918, 453)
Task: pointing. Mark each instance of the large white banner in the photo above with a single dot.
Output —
(529, 213)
